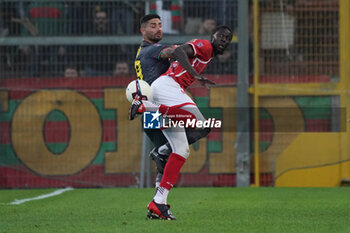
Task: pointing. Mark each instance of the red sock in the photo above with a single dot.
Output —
(172, 170)
(176, 114)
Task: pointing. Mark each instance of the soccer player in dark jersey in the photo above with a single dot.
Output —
(170, 98)
(149, 65)
(152, 60)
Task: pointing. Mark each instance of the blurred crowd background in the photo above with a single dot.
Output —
(297, 36)
(78, 20)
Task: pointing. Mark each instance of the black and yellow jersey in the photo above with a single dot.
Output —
(148, 64)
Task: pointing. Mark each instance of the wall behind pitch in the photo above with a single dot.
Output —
(63, 132)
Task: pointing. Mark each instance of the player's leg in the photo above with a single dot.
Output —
(156, 137)
(180, 152)
(169, 98)
(159, 153)
(178, 141)
(174, 101)
(166, 92)
(192, 134)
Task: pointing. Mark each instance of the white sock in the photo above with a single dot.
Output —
(161, 195)
(150, 106)
(157, 184)
(164, 150)
(158, 179)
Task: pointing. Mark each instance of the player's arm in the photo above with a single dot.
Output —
(167, 52)
(182, 54)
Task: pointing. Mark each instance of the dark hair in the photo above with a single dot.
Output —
(148, 17)
(218, 28)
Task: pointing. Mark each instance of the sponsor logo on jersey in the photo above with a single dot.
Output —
(200, 44)
(174, 64)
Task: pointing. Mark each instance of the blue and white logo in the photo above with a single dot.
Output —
(152, 120)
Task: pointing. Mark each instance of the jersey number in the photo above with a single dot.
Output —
(138, 69)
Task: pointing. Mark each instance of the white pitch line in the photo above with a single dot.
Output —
(55, 193)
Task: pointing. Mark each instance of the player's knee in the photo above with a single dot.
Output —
(184, 151)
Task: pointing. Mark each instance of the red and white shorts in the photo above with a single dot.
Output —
(166, 91)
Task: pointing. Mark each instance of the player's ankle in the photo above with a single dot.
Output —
(161, 195)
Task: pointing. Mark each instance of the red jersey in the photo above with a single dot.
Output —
(203, 53)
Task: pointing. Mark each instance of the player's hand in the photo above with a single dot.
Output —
(204, 81)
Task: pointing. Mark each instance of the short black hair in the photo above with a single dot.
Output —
(218, 28)
(148, 17)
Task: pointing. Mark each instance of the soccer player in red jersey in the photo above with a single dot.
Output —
(169, 98)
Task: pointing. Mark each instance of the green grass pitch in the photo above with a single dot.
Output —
(214, 210)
